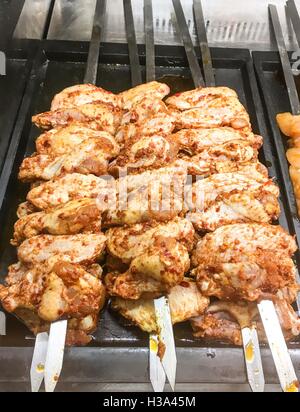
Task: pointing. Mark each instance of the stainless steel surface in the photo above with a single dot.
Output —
(230, 23)
(32, 19)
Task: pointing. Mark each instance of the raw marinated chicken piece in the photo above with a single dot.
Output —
(97, 115)
(194, 141)
(223, 321)
(155, 90)
(73, 186)
(63, 290)
(56, 142)
(126, 243)
(76, 216)
(81, 248)
(199, 97)
(82, 94)
(226, 198)
(216, 113)
(156, 270)
(227, 157)
(146, 152)
(25, 209)
(91, 156)
(244, 261)
(157, 200)
(185, 302)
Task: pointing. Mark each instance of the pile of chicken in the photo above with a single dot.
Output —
(187, 215)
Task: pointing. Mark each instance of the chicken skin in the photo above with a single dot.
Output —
(74, 217)
(185, 302)
(226, 198)
(244, 261)
(59, 141)
(130, 98)
(82, 248)
(97, 115)
(157, 270)
(72, 186)
(126, 243)
(198, 97)
(194, 141)
(90, 156)
(81, 94)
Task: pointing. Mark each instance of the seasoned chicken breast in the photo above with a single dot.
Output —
(244, 261)
(99, 116)
(81, 248)
(194, 141)
(131, 97)
(198, 97)
(159, 268)
(90, 156)
(76, 216)
(185, 302)
(81, 94)
(59, 141)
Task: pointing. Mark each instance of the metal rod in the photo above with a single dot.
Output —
(188, 45)
(149, 41)
(202, 39)
(294, 16)
(136, 76)
(286, 67)
(94, 49)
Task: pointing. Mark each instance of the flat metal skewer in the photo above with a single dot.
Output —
(284, 367)
(136, 76)
(285, 62)
(294, 16)
(252, 354)
(202, 39)
(159, 368)
(2, 324)
(188, 44)
(49, 351)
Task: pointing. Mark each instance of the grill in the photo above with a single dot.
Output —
(39, 69)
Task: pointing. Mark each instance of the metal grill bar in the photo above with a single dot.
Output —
(136, 76)
(149, 41)
(188, 45)
(202, 39)
(94, 49)
(286, 67)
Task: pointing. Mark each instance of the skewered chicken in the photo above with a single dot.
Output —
(227, 157)
(56, 142)
(185, 302)
(144, 153)
(222, 111)
(198, 97)
(157, 270)
(81, 94)
(223, 321)
(83, 215)
(97, 115)
(155, 90)
(69, 187)
(194, 141)
(129, 242)
(46, 293)
(149, 117)
(81, 248)
(226, 198)
(244, 261)
(158, 200)
(90, 156)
